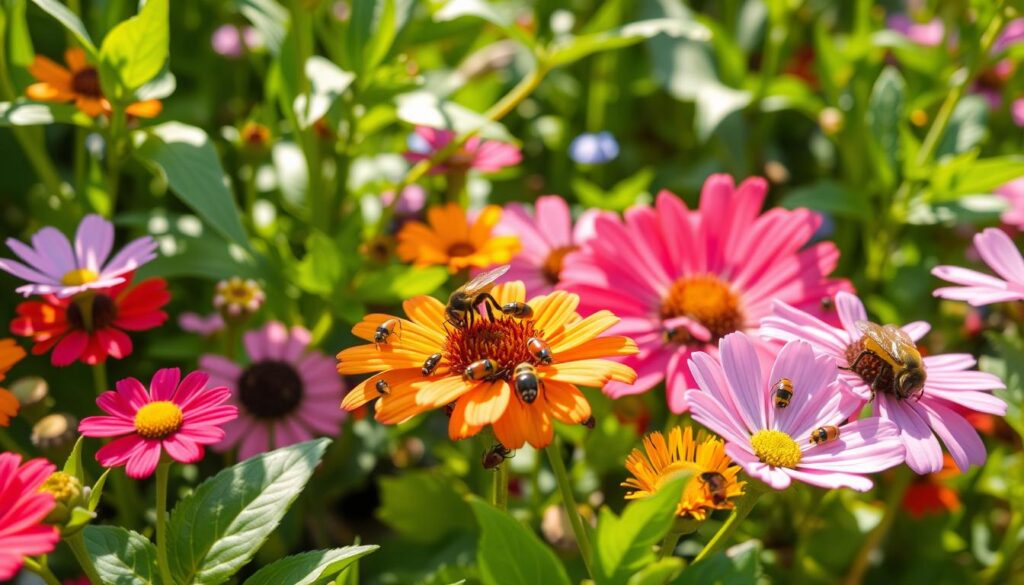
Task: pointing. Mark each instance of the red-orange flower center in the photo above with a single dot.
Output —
(502, 341)
(104, 312)
(707, 300)
(87, 82)
(553, 263)
(461, 249)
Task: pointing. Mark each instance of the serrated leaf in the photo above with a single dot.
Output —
(510, 554)
(216, 530)
(70, 20)
(135, 50)
(121, 557)
(309, 567)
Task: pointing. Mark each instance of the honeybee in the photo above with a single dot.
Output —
(827, 304)
(590, 423)
(462, 303)
(902, 362)
(383, 387)
(715, 483)
(484, 369)
(782, 392)
(824, 434)
(495, 456)
(527, 383)
(540, 350)
(431, 364)
(518, 310)
(385, 330)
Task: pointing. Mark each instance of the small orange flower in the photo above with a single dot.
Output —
(931, 494)
(10, 354)
(701, 456)
(79, 83)
(576, 348)
(449, 239)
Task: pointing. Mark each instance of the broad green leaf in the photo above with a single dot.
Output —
(135, 51)
(190, 163)
(309, 567)
(968, 127)
(321, 268)
(22, 112)
(398, 282)
(829, 196)
(20, 41)
(269, 18)
(984, 175)
(482, 9)
(73, 465)
(217, 529)
(660, 572)
(66, 17)
(740, 565)
(885, 114)
(158, 88)
(422, 108)
(373, 27)
(570, 51)
(122, 557)
(511, 554)
(328, 83)
(423, 506)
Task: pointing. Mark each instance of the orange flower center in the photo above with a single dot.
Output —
(460, 249)
(87, 82)
(159, 419)
(255, 134)
(503, 341)
(553, 263)
(707, 300)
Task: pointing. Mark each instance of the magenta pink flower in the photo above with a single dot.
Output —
(487, 156)
(1013, 193)
(951, 385)
(177, 419)
(928, 34)
(547, 236)
(997, 250)
(682, 279)
(774, 444)
(53, 266)
(287, 394)
(22, 510)
(205, 326)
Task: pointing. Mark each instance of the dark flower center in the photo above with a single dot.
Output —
(553, 263)
(270, 389)
(503, 341)
(460, 249)
(87, 82)
(104, 312)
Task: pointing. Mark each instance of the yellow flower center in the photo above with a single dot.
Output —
(553, 263)
(64, 487)
(775, 448)
(460, 249)
(707, 300)
(159, 419)
(79, 276)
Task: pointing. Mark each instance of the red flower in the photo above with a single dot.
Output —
(58, 324)
(929, 494)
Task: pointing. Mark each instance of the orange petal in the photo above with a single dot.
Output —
(76, 59)
(8, 407)
(365, 391)
(428, 312)
(449, 223)
(10, 354)
(510, 292)
(91, 106)
(499, 249)
(444, 391)
(511, 427)
(539, 430)
(407, 335)
(594, 373)
(582, 331)
(566, 402)
(418, 234)
(45, 69)
(486, 403)
(399, 406)
(45, 92)
(145, 109)
(489, 217)
(363, 359)
(551, 312)
(458, 428)
(599, 348)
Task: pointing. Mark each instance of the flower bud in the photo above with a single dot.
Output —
(67, 492)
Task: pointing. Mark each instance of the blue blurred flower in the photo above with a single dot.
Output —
(594, 148)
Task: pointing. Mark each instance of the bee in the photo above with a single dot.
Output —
(824, 434)
(540, 350)
(518, 310)
(431, 364)
(527, 383)
(679, 335)
(383, 387)
(462, 303)
(495, 456)
(485, 369)
(715, 483)
(783, 392)
(901, 371)
(827, 304)
(449, 409)
(590, 423)
(385, 330)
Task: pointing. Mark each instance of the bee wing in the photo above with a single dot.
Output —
(903, 345)
(883, 337)
(481, 282)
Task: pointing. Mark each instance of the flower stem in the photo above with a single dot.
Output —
(99, 378)
(582, 538)
(42, 569)
(161, 520)
(77, 543)
(892, 507)
(499, 491)
(752, 493)
(668, 545)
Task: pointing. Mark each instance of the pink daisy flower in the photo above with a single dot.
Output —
(682, 279)
(923, 419)
(775, 444)
(928, 34)
(547, 236)
(487, 156)
(997, 250)
(1013, 192)
(206, 326)
(22, 510)
(175, 416)
(52, 266)
(286, 394)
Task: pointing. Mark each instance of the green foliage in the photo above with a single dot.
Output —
(510, 554)
(738, 566)
(121, 556)
(309, 567)
(402, 506)
(70, 21)
(135, 51)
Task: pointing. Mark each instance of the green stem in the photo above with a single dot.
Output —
(499, 489)
(161, 520)
(752, 493)
(1008, 551)
(42, 569)
(554, 451)
(99, 378)
(117, 122)
(877, 534)
(77, 544)
(668, 545)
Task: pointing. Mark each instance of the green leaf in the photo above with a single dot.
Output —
(984, 175)
(625, 193)
(97, 492)
(73, 464)
(122, 557)
(968, 127)
(190, 163)
(970, 209)
(1010, 369)
(66, 17)
(568, 52)
(396, 283)
(511, 554)
(216, 530)
(623, 545)
(885, 114)
(21, 51)
(423, 506)
(373, 27)
(740, 565)
(321, 268)
(22, 112)
(829, 196)
(309, 567)
(329, 82)
(659, 573)
(454, 9)
(269, 18)
(135, 51)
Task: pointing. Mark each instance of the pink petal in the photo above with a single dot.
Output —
(132, 391)
(118, 451)
(924, 454)
(143, 461)
(960, 438)
(998, 251)
(254, 443)
(164, 383)
(182, 450)
(850, 311)
(743, 372)
(105, 426)
(93, 242)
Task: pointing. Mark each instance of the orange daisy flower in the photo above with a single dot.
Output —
(407, 387)
(714, 477)
(10, 354)
(448, 238)
(79, 82)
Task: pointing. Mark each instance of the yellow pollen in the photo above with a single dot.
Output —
(79, 276)
(157, 420)
(775, 448)
(707, 300)
(64, 487)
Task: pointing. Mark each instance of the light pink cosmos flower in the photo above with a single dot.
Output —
(1013, 193)
(923, 419)
(206, 326)
(287, 394)
(488, 156)
(22, 511)
(997, 250)
(53, 266)
(547, 236)
(231, 41)
(682, 279)
(175, 416)
(927, 34)
(774, 445)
